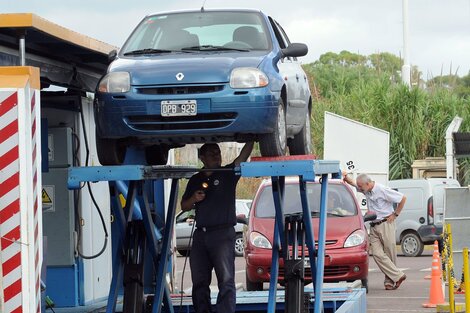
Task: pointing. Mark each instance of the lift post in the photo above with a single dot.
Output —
(129, 248)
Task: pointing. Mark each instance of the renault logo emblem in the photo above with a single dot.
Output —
(179, 76)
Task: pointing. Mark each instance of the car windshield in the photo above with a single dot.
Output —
(198, 31)
(340, 201)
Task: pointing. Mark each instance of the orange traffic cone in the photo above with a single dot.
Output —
(436, 295)
(436, 248)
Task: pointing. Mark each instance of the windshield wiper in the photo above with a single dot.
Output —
(213, 48)
(150, 51)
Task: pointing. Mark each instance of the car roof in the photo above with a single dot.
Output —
(294, 180)
(207, 10)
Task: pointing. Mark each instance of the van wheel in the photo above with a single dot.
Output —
(110, 151)
(411, 245)
(253, 286)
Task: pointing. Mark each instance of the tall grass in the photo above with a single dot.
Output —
(416, 118)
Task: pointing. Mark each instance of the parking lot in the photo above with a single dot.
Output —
(408, 298)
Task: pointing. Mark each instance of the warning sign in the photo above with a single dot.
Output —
(48, 198)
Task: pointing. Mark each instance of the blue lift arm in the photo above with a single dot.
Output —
(306, 170)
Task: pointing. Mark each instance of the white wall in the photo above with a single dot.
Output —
(360, 148)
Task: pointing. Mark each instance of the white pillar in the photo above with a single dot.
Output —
(20, 185)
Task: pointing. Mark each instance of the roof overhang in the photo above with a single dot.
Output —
(66, 58)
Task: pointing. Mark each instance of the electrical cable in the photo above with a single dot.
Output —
(87, 149)
(184, 266)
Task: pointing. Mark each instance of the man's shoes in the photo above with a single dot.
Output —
(389, 286)
(400, 281)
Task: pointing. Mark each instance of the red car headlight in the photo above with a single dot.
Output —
(260, 241)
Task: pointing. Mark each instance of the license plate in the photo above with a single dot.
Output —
(179, 108)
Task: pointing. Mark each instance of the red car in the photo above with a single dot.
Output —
(346, 254)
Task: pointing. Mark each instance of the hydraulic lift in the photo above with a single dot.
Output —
(139, 234)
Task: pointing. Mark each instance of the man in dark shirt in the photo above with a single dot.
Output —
(212, 195)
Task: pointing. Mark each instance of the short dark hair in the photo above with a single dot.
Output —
(206, 147)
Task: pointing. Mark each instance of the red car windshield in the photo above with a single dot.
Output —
(340, 201)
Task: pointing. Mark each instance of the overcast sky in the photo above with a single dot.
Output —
(439, 31)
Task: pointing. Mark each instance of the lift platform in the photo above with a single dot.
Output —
(139, 233)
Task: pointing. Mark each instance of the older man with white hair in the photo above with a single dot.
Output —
(380, 199)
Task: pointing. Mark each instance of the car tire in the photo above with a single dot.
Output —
(253, 286)
(411, 245)
(184, 252)
(156, 155)
(275, 143)
(239, 245)
(109, 151)
(365, 284)
(301, 144)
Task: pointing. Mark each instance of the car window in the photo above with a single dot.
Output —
(184, 216)
(242, 208)
(241, 30)
(340, 201)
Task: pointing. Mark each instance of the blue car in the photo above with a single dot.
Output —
(203, 76)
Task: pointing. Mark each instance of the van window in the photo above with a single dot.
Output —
(340, 202)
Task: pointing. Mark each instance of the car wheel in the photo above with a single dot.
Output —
(109, 151)
(411, 245)
(156, 155)
(184, 252)
(275, 143)
(239, 244)
(302, 142)
(365, 284)
(253, 286)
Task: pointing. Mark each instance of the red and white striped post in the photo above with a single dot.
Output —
(20, 185)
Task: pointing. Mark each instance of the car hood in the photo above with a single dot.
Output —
(338, 229)
(194, 67)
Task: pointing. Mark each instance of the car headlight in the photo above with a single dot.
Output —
(115, 82)
(355, 239)
(248, 77)
(259, 241)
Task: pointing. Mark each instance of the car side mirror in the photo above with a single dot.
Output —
(112, 55)
(295, 50)
(241, 218)
(370, 216)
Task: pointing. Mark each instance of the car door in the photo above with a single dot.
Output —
(296, 82)
(183, 228)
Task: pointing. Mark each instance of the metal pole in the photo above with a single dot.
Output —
(22, 47)
(466, 278)
(450, 158)
(406, 68)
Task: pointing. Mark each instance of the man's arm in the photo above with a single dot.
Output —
(188, 204)
(400, 206)
(348, 179)
(244, 154)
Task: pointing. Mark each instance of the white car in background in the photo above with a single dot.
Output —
(184, 227)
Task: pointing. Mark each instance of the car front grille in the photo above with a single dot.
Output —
(179, 90)
(200, 121)
(329, 271)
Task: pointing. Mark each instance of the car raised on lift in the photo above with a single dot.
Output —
(203, 76)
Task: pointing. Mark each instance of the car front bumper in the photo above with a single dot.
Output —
(340, 265)
(221, 115)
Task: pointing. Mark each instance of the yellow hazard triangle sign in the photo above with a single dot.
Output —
(46, 199)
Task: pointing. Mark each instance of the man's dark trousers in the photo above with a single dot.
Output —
(213, 249)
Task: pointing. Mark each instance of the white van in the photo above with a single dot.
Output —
(420, 221)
